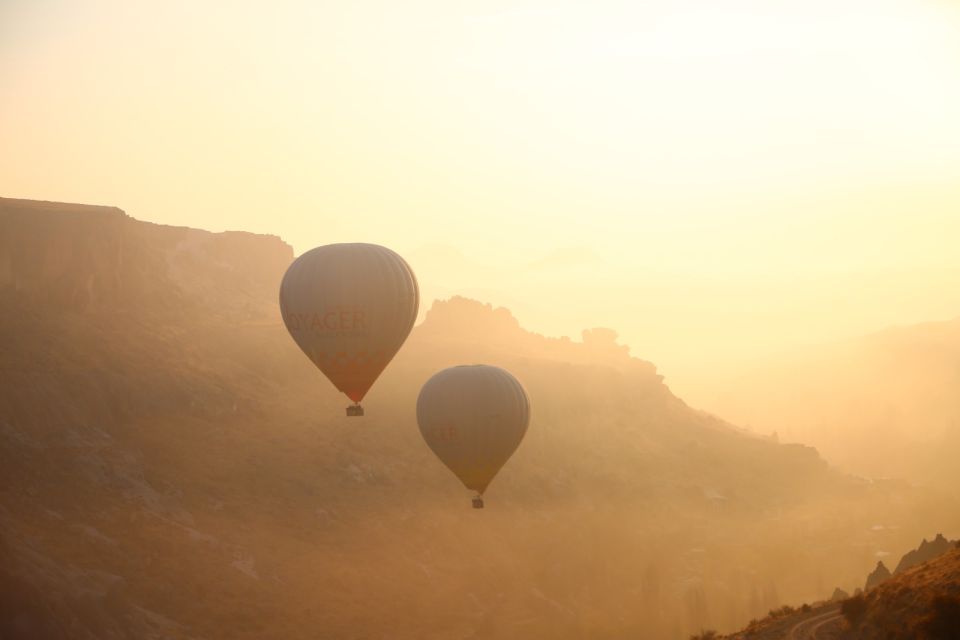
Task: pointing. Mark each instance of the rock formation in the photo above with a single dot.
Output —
(926, 551)
(878, 575)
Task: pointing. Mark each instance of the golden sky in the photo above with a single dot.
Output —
(717, 179)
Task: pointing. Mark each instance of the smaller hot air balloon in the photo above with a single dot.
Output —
(473, 417)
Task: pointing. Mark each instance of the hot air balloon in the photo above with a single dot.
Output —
(350, 307)
(473, 417)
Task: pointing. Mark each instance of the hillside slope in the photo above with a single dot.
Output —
(173, 466)
(921, 603)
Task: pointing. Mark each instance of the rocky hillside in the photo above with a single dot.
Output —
(923, 603)
(920, 602)
(926, 552)
(172, 466)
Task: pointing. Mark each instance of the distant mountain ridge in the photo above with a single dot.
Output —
(881, 405)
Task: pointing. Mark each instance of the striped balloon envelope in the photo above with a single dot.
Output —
(473, 418)
(350, 307)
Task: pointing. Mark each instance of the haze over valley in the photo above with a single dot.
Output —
(173, 466)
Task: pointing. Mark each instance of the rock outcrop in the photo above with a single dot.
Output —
(877, 576)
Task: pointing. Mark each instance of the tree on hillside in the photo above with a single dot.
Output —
(943, 621)
(854, 609)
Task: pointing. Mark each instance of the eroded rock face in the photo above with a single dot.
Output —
(68, 256)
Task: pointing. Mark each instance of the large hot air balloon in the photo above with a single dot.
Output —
(473, 417)
(350, 307)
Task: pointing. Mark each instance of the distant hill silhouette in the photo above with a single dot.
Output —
(883, 405)
(172, 466)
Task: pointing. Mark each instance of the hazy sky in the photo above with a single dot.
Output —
(716, 179)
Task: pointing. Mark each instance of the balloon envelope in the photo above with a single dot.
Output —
(473, 418)
(349, 307)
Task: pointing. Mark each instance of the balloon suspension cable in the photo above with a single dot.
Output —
(478, 501)
(355, 410)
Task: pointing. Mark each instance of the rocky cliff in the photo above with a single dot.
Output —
(76, 258)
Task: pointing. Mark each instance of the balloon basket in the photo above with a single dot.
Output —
(354, 411)
(477, 502)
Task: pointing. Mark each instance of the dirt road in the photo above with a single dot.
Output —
(820, 627)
